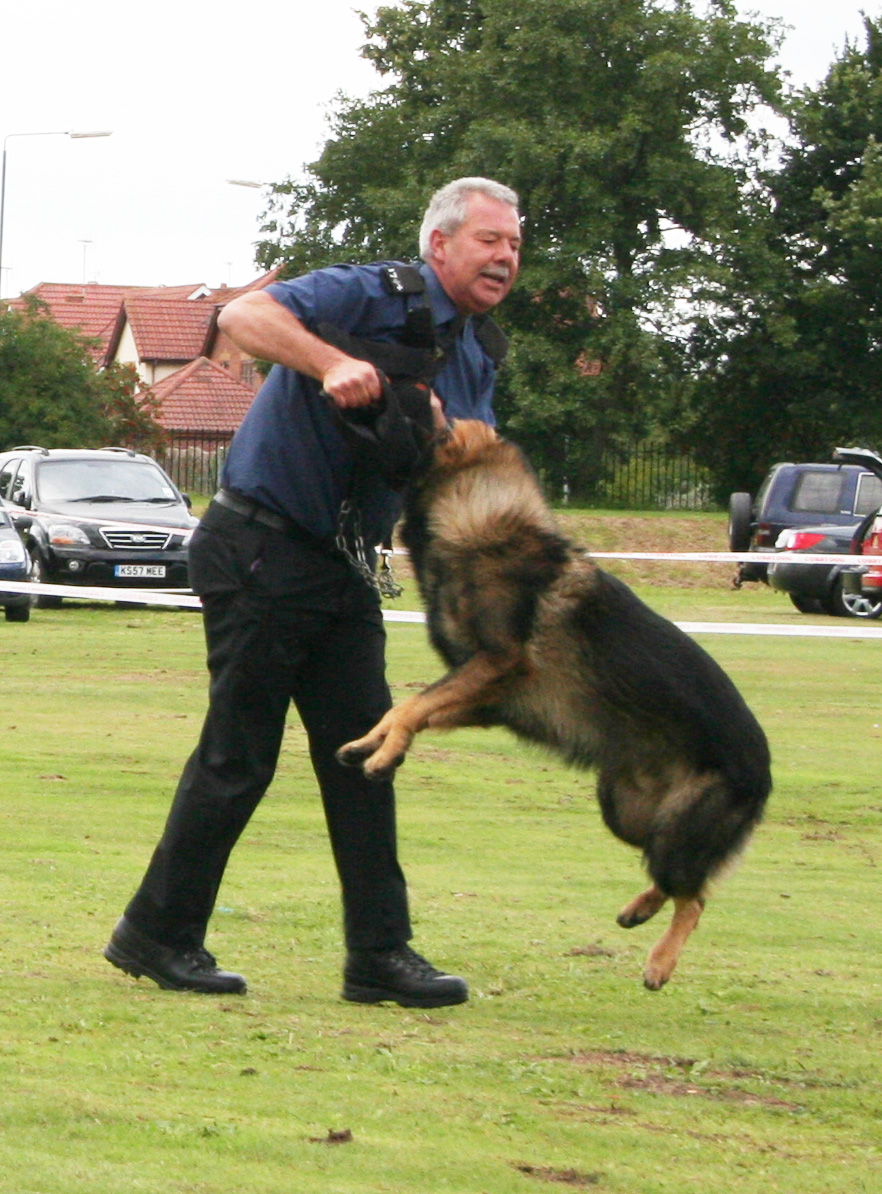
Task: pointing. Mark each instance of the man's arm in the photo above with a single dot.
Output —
(265, 329)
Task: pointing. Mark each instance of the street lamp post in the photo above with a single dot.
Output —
(52, 133)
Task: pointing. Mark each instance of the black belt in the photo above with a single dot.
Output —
(255, 512)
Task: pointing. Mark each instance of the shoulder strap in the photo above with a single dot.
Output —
(403, 279)
(419, 325)
(491, 337)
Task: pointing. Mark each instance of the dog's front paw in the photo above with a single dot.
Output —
(353, 754)
(375, 764)
(380, 753)
(381, 766)
(376, 758)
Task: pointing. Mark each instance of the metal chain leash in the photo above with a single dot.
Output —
(382, 580)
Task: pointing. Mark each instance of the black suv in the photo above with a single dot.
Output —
(799, 495)
(106, 517)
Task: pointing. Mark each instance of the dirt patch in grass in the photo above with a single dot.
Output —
(566, 1177)
(654, 1075)
(659, 1085)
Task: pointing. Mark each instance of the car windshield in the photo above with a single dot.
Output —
(102, 481)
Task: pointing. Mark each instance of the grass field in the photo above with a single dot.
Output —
(756, 1069)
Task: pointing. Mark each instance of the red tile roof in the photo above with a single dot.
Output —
(94, 309)
(202, 397)
(91, 309)
(170, 325)
(226, 294)
(169, 329)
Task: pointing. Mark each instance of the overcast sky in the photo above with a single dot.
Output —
(196, 93)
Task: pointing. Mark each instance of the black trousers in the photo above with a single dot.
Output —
(285, 620)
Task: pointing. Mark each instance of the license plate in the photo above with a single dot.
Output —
(143, 571)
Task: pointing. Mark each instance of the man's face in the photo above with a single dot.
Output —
(478, 263)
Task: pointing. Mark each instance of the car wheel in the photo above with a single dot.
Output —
(17, 613)
(740, 510)
(38, 575)
(806, 605)
(851, 605)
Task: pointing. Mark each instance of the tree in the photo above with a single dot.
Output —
(132, 413)
(51, 394)
(617, 121)
(791, 363)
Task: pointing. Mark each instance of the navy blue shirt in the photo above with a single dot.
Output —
(289, 454)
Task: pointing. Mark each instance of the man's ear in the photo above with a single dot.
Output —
(437, 244)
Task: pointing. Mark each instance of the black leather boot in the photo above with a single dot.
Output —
(401, 975)
(191, 970)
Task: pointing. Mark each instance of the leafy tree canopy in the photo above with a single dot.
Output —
(50, 393)
(623, 125)
(790, 364)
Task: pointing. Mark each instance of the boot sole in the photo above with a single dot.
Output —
(355, 994)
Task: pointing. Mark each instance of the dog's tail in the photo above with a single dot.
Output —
(696, 832)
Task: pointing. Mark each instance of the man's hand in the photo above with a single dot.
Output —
(351, 382)
(439, 419)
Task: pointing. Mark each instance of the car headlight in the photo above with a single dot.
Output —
(66, 534)
(12, 551)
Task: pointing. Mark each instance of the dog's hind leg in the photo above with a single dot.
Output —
(665, 954)
(642, 908)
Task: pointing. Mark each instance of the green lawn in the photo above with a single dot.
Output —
(756, 1069)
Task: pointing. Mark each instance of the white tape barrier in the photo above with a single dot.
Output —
(853, 630)
(181, 600)
(722, 557)
(731, 557)
(88, 593)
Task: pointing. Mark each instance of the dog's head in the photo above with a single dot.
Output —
(467, 442)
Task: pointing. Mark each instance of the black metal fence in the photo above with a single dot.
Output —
(194, 461)
(648, 475)
(652, 475)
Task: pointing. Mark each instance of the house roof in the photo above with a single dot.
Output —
(202, 397)
(225, 294)
(168, 323)
(169, 329)
(176, 323)
(93, 308)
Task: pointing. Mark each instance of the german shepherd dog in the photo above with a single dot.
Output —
(540, 639)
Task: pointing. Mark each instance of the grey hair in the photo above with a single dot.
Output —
(447, 207)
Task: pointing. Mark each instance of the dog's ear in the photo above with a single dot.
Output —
(468, 437)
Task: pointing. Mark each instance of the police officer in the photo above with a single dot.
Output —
(287, 615)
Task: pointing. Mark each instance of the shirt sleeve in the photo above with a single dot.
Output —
(344, 295)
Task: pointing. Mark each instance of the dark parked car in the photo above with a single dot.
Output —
(15, 565)
(822, 588)
(107, 517)
(800, 496)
